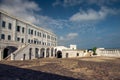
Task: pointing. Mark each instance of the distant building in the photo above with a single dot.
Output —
(64, 52)
(108, 52)
(21, 40)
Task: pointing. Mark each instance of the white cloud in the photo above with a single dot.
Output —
(92, 15)
(21, 8)
(67, 3)
(57, 2)
(26, 9)
(69, 36)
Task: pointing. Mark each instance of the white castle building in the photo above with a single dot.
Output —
(108, 52)
(72, 51)
(21, 40)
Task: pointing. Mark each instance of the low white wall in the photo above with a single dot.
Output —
(72, 53)
(108, 52)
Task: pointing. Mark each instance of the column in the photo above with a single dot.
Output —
(49, 52)
(12, 56)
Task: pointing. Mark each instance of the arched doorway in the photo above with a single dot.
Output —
(5, 54)
(42, 53)
(8, 50)
(30, 53)
(59, 54)
(36, 53)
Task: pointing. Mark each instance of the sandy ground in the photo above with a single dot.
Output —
(90, 68)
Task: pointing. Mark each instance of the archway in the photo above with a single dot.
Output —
(8, 50)
(42, 53)
(59, 54)
(30, 53)
(36, 52)
(5, 54)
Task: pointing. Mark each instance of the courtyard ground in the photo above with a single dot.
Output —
(89, 68)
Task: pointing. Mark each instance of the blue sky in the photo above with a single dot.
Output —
(86, 23)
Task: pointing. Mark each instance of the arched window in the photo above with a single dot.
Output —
(9, 37)
(2, 36)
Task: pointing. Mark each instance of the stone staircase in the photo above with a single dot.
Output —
(20, 48)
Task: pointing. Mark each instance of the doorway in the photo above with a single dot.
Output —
(59, 54)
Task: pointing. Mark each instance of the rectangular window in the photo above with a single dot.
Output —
(9, 26)
(22, 40)
(35, 33)
(18, 39)
(23, 30)
(29, 31)
(18, 29)
(32, 32)
(2, 36)
(3, 24)
(40, 34)
(9, 37)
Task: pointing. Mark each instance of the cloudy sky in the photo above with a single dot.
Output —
(86, 23)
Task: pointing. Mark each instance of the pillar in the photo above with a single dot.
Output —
(12, 56)
(49, 52)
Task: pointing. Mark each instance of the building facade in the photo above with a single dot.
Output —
(108, 52)
(71, 52)
(21, 40)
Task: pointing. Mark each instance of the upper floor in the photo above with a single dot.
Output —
(15, 29)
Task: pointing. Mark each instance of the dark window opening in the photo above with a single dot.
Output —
(9, 26)
(23, 30)
(18, 28)
(31, 32)
(30, 53)
(22, 40)
(59, 54)
(3, 24)
(9, 37)
(35, 33)
(2, 36)
(77, 54)
(18, 39)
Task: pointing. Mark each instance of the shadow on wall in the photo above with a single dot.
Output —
(8, 72)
